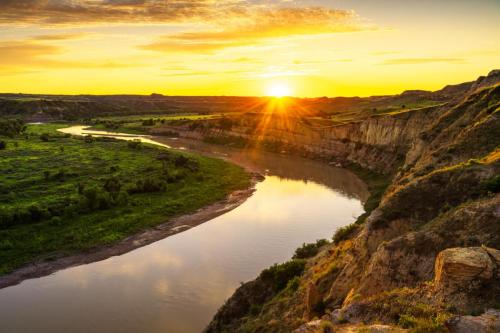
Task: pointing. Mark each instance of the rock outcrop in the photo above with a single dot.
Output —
(429, 251)
(488, 322)
(458, 268)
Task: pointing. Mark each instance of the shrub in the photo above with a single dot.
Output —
(344, 233)
(44, 137)
(134, 144)
(432, 324)
(492, 184)
(95, 198)
(255, 309)
(147, 185)
(326, 327)
(122, 198)
(12, 127)
(279, 274)
(60, 175)
(88, 138)
(148, 122)
(112, 185)
(37, 213)
(6, 218)
(182, 161)
(3, 145)
(6, 244)
(56, 221)
(309, 250)
(293, 284)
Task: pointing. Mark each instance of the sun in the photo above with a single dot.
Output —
(278, 90)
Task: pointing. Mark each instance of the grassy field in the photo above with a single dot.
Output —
(142, 124)
(60, 195)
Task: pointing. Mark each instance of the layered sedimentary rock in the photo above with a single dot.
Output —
(443, 204)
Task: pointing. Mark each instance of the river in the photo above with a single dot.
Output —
(177, 284)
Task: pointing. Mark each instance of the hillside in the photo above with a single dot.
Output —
(35, 107)
(426, 259)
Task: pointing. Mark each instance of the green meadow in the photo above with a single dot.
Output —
(61, 195)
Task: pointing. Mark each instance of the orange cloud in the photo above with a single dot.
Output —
(56, 37)
(32, 54)
(247, 27)
(17, 12)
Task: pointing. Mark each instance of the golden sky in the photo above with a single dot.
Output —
(236, 47)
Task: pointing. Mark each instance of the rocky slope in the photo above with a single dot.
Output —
(426, 258)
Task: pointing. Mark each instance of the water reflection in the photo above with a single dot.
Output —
(175, 285)
(83, 130)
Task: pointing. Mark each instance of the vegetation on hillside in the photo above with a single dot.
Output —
(443, 196)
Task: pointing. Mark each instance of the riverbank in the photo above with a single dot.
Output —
(77, 195)
(169, 228)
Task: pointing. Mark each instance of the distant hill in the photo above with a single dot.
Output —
(35, 107)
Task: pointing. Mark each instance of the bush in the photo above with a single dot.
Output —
(147, 185)
(3, 145)
(56, 221)
(309, 250)
(60, 175)
(88, 138)
(134, 144)
(344, 233)
(122, 198)
(492, 184)
(6, 218)
(433, 324)
(148, 122)
(11, 127)
(255, 309)
(293, 284)
(95, 198)
(112, 185)
(182, 161)
(37, 213)
(45, 137)
(279, 274)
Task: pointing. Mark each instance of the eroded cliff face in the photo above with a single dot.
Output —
(378, 143)
(444, 194)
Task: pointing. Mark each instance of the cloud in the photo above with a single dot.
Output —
(55, 12)
(32, 54)
(56, 37)
(419, 61)
(249, 26)
(14, 52)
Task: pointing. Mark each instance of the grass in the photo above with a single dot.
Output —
(377, 184)
(52, 175)
(279, 275)
(138, 124)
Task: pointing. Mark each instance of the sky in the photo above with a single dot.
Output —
(305, 48)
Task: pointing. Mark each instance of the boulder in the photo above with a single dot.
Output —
(456, 268)
(488, 322)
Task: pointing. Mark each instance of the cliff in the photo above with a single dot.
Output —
(444, 162)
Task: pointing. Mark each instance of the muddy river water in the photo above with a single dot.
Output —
(176, 285)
